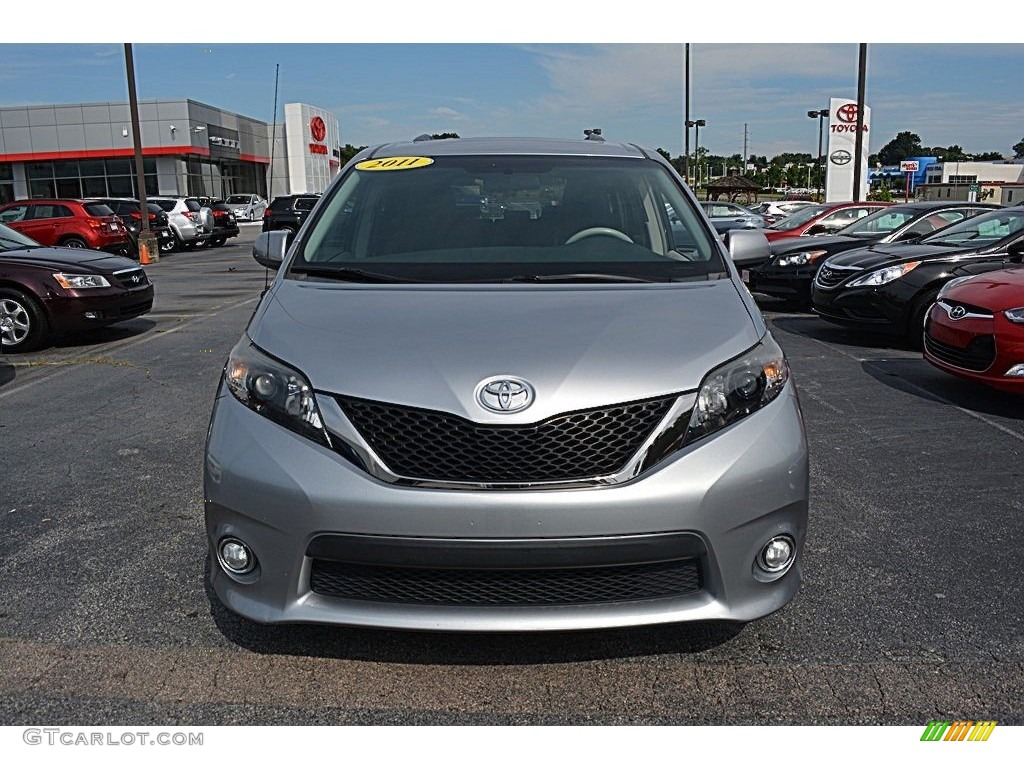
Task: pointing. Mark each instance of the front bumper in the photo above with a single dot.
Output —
(295, 503)
(68, 313)
(791, 283)
(880, 309)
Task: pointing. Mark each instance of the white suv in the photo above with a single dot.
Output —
(191, 223)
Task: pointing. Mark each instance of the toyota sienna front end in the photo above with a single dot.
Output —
(505, 385)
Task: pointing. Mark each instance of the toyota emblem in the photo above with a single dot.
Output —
(840, 157)
(318, 128)
(847, 113)
(504, 394)
(955, 313)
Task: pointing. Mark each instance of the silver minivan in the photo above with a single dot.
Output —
(506, 385)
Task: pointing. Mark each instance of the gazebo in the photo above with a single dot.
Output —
(734, 188)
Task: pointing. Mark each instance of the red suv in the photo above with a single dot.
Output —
(70, 223)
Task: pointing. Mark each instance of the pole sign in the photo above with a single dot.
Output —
(908, 166)
(842, 143)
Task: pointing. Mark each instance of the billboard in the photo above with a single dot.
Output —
(842, 143)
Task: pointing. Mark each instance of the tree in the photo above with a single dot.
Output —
(444, 135)
(989, 156)
(1018, 149)
(348, 152)
(906, 144)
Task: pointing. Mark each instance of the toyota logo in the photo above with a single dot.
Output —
(847, 113)
(318, 128)
(505, 395)
(955, 313)
(840, 157)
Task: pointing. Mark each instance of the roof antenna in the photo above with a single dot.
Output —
(423, 137)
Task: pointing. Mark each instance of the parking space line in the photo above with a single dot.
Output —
(966, 411)
(126, 344)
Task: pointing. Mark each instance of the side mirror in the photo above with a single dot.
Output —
(1015, 252)
(747, 247)
(270, 248)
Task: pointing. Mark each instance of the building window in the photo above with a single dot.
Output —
(963, 179)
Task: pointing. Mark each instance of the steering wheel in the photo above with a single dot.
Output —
(594, 231)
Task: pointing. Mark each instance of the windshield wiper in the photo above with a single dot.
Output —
(578, 277)
(350, 274)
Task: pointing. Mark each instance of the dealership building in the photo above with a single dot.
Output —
(188, 148)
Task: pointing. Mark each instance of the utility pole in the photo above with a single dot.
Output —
(148, 248)
(686, 117)
(858, 166)
(743, 165)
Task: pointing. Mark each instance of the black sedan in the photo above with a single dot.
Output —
(888, 288)
(790, 272)
(46, 291)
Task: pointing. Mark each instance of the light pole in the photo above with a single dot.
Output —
(822, 115)
(696, 125)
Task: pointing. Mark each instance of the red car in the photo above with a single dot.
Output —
(976, 328)
(69, 223)
(820, 219)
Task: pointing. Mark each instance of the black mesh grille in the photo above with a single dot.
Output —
(976, 356)
(424, 586)
(431, 445)
(828, 277)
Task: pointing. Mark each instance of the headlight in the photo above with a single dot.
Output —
(886, 275)
(801, 259)
(951, 284)
(74, 282)
(1015, 315)
(738, 388)
(274, 390)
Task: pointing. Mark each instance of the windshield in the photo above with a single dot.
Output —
(237, 199)
(799, 218)
(10, 239)
(878, 223)
(980, 231)
(494, 218)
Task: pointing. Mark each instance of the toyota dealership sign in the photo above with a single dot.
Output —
(842, 144)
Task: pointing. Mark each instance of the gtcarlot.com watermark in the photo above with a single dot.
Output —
(76, 737)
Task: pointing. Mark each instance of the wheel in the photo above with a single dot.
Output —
(74, 242)
(914, 336)
(22, 323)
(167, 246)
(595, 231)
(217, 242)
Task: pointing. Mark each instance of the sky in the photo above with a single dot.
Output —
(501, 72)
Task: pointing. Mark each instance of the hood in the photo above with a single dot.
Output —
(579, 347)
(883, 254)
(1003, 289)
(69, 258)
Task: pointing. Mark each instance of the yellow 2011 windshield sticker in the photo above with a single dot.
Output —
(393, 163)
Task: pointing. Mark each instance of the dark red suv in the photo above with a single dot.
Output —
(66, 222)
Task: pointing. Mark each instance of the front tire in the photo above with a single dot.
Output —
(22, 323)
(74, 242)
(217, 242)
(914, 336)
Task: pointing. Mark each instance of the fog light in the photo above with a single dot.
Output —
(92, 315)
(1015, 370)
(777, 555)
(235, 557)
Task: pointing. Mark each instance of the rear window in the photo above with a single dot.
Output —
(98, 209)
(281, 204)
(166, 205)
(193, 205)
(305, 203)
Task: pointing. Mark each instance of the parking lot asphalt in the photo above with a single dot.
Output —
(909, 609)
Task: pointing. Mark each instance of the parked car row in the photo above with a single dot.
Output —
(946, 277)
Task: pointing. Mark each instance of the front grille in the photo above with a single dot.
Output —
(563, 586)
(126, 277)
(431, 445)
(829, 277)
(976, 356)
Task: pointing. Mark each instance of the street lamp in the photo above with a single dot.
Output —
(696, 125)
(822, 115)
